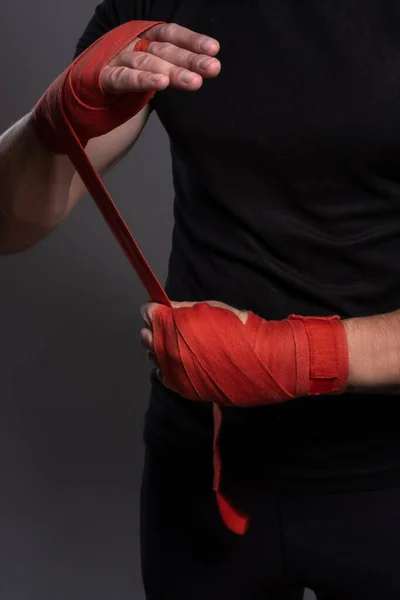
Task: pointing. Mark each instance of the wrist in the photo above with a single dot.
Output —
(356, 360)
(374, 353)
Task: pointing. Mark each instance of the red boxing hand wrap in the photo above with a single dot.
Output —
(142, 45)
(205, 353)
(75, 102)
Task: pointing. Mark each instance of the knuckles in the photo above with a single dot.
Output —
(165, 48)
(140, 60)
(111, 77)
(170, 30)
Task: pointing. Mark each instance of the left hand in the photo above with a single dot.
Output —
(146, 334)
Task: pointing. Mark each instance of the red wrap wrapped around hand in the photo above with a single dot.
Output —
(75, 104)
(205, 353)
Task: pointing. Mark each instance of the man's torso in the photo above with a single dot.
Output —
(287, 200)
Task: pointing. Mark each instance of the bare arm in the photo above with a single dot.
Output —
(374, 353)
(39, 189)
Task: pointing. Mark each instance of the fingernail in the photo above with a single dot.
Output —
(187, 77)
(206, 45)
(156, 77)
(204, 63)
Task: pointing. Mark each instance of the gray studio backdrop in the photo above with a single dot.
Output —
(74, 378)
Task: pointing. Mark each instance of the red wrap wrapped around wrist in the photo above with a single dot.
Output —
(76, 105)
(206, 353)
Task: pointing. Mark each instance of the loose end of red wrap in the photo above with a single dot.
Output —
(234, 520)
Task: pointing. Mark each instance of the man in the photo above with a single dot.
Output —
(285, 139)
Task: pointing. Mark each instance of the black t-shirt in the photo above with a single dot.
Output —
(287, 200)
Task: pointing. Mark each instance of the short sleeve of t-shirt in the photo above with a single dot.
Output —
(110, 14)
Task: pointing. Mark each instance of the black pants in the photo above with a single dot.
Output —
(344, 546)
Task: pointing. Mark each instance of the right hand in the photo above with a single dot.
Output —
(177, 57)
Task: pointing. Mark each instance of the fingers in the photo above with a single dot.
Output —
(162, 65)
(162, 57)
(146, 334)
(183, 38)
(147, 313)
(177, 57)
(121, 80)
(178, 76)
(146, 339)
(204, 65)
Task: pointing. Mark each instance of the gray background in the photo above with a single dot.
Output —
(74, 379)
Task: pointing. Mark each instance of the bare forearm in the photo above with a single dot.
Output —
(34, 188)
(374, 353)
(38, 189)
